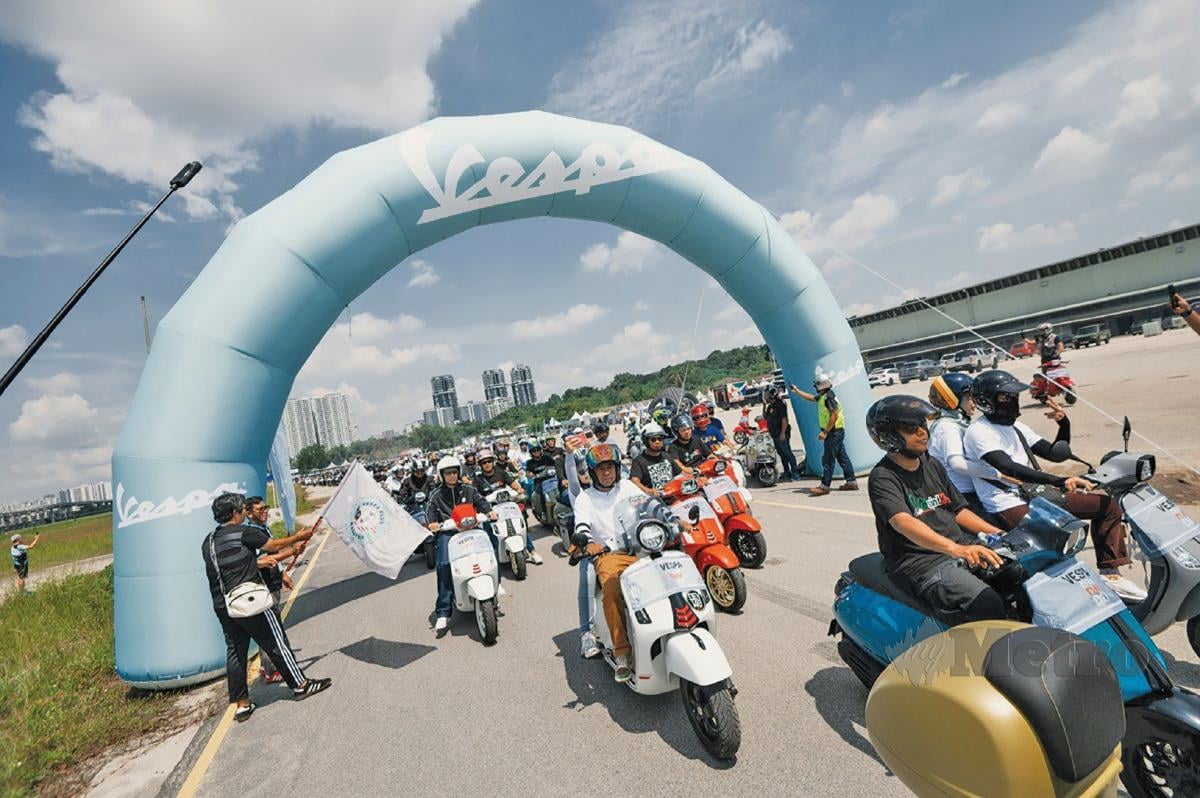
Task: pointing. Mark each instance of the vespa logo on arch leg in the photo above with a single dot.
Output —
(131, 511)
(505, 179)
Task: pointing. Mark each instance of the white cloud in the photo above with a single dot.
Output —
(64, 382)
(1072, 154)
(559, 323)
(656, 61)
(861, 222)
(954, 80)
(423, 275)
(13, 340)
(369, 327)
(1174, 171)
(640, 307)
(144, 93)
(847, 88)
(754, 47)
(730, 312)
(954, 281)
(371, 346)
(1003, 236)
(1142, 101)
(631, 254)
(55, 420)
(951, 187)
(1001, 115)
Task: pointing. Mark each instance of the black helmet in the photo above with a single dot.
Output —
(886, 416)
(599, 426)
(947, 390)
(991, 384)
(680, 422)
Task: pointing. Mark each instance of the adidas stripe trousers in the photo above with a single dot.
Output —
(265, 630)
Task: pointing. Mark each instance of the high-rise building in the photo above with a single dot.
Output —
(442, 416)
(494, 384)
(498, 405)
(522, 385)
(318, 419)
(444, 393)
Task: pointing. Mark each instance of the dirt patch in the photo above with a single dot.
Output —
(1182, 487)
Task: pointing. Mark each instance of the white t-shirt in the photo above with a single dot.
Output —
(982, 437)
(946, 446)
(595, 508)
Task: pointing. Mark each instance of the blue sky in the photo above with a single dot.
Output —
(941, 143)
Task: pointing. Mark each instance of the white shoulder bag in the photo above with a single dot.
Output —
(245, 600)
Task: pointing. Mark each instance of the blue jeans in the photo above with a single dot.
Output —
(587, 578)
(835, 449)
(790, 467)
(445, 581)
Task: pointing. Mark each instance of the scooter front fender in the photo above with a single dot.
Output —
(716, 554)
(514, 543)
(742, 522)
(481, 588)
(696, 656)
(1173, 718)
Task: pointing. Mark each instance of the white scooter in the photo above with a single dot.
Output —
(510, 530)
(473, 569)
(670, 617)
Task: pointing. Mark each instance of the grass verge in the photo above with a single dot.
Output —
(62, 700)
(68, 541)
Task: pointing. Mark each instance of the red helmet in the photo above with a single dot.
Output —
(699, 411)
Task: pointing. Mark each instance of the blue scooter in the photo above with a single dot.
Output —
(879, 620)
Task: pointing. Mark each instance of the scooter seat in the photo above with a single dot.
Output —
(1068, 691)
(868, 570)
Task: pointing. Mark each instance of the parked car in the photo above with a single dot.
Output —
(972, 360)
(919, 370)
(889, 376)
(1173, 323)
(1023, 348)
(1091, 335)
(948, 360)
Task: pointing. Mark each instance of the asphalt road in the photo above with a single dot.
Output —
(411, 713)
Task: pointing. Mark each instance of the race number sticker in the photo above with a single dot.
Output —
(507, 512)
(1071, 596)
(1158, 525)
(718, 487)
(651, 580)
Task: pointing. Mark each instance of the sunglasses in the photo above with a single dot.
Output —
(658, 438)
(911, 429)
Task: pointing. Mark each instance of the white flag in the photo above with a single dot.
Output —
(371, 524)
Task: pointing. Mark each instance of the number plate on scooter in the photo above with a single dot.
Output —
(1158, 524)
(718, 487)
(508, 512)
(650, 580)
(1071, 596)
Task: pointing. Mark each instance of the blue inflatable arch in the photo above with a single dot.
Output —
(221, 368)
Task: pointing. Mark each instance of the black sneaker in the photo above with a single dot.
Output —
(311, 687)
(242, 714)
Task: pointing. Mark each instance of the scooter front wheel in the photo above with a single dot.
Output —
(767, 475)
(714, 718)
(1193, 633)
(750, 548)
(740, 438)
(1070, 396)
(727, 588)
(519, 565)
(430, 552)
(485, 619)
(1165, 762)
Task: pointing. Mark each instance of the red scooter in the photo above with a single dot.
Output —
(742, 529)
(743, 430)
(704, 541)
(1042, 388)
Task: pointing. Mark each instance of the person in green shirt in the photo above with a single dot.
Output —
(833, 434)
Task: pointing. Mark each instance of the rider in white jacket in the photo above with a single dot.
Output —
(951, 393)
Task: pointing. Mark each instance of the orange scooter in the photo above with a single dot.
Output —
(704, 541)
(742, 530)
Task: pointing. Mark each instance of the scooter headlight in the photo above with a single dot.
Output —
(652, 535)
(1145, 467)
(719, 467)
(1076, 539)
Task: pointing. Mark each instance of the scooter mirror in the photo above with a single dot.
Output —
(694, 513)
(1126, 431)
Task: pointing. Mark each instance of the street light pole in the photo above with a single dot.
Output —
(180, 180)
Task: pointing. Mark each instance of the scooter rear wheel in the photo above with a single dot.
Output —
(519, 565)
(1070, 397)
(485, 620)
(714, 718)
(1164, 763)
(727, 588)
(750, 548)
(430, 552)
(865, 667)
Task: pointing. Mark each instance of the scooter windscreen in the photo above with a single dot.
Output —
(646, 524)
(1047, 528)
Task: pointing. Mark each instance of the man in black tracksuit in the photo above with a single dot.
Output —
(442, 501)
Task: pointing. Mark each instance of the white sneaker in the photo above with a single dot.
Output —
(500, 591)
(535, 558)
(623, 672)
(589, 648)
(440, 624)
(1123, 586)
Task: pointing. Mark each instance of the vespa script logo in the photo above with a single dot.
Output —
(506, 180)
(838, 377)
(132, 511)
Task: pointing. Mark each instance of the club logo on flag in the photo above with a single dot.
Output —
(369, 519)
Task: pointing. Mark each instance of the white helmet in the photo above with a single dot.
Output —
(447, 462)
(485, 454)
(651, 430)
(822, 382)
(1045, 327)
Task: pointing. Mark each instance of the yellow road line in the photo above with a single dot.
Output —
(192, 783)
(857, 513)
